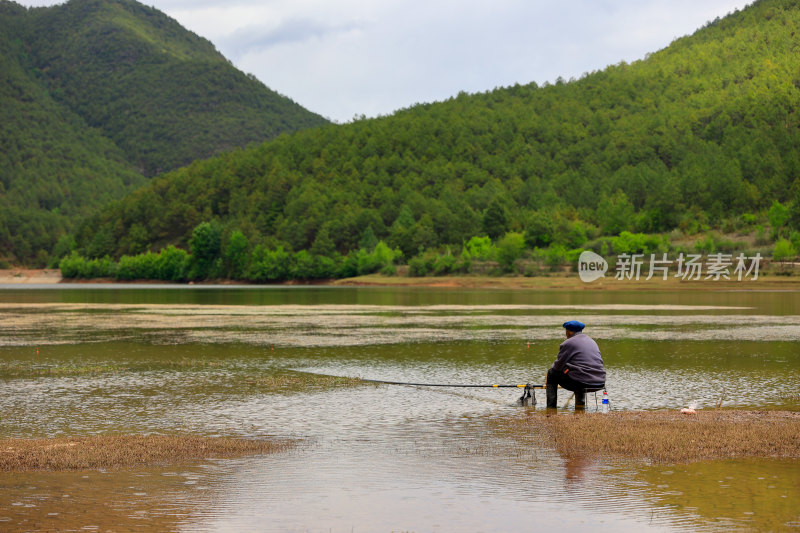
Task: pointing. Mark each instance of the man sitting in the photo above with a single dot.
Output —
(579, 365)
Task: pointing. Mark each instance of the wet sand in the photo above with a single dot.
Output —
(30, 276)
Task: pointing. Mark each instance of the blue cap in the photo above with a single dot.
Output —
(574, 325)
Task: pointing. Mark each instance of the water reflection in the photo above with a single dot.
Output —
(151, 499)
(723, 495)
(579, 470)
(767, 302)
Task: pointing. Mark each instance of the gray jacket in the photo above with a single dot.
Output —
(581, 355)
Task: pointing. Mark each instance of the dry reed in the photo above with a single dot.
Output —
(123, 451)
(671, 437)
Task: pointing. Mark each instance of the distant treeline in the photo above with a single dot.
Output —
(210, 257)
(213, 254)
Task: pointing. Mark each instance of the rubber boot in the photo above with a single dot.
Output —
(552, 394)
(580, 399)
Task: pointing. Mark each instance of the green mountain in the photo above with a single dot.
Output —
(98, 95)
(698, 133)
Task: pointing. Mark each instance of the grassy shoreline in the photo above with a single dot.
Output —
(668, 436)
(664, 437)
(561, 281)
(124, 451)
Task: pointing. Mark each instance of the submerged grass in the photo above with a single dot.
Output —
(298, 381)
(25, 370)
(669, 436)
(265, 380)
(123, 451)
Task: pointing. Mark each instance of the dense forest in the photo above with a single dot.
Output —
(96, 96)
(700, 135)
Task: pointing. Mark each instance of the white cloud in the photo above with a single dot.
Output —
(348, 57)
(255, 38)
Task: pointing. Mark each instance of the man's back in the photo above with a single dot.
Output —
(581, 355)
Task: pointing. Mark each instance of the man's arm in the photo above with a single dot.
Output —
(564, 354)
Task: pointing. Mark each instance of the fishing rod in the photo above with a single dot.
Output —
(493, 386)
(528, 393)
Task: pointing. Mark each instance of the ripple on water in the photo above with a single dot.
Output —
(378, 457)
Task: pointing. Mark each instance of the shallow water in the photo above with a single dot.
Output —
(380, 458)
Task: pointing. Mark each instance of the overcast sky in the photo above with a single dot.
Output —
(343, 58)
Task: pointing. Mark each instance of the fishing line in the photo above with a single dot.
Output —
(414, 384)
(468, 396)
(528, 393)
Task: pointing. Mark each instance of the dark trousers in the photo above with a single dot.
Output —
(555, 378)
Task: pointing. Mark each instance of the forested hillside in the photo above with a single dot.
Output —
(700, 134)
(53, 168)
(98, 95)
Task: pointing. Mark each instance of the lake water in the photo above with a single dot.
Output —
(77, 360)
